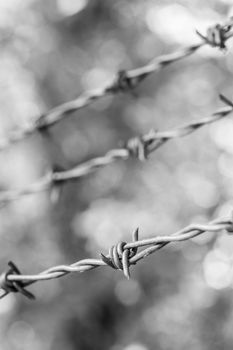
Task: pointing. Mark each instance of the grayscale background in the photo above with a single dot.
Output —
(181, 297)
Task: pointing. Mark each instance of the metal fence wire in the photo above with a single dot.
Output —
(122, 255)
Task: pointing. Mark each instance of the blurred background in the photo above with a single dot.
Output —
(182, 296)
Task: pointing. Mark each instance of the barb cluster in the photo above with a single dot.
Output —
(124, 81)
(120, 257)
(138, 147)
(217, 35)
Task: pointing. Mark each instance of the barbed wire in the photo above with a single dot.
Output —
(138, 147)
(125, 80)
(121, 256)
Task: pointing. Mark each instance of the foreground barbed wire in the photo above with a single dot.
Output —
(139, 147)
(120, 257)
(124, 81)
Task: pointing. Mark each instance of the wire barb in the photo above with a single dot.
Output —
(119, 256)
(137, 148)
(217, 35)
(226, 100)
(13, 286)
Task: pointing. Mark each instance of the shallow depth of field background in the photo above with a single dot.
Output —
(182, 296)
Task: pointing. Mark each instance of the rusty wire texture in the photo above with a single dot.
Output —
(124, 81)
(120, 257)
(137, 147)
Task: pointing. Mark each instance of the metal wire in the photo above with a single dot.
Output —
(124, 81)
(120, 257)
(139, 147)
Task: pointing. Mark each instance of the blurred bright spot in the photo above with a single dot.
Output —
(71, 7)
(140, 115)
(8, 8)
(95, 78)
(75, 145)
(225, 209)
(112, 53)
(199, 91)
(229, 62)
(148, 46)
(218, 273)
(7, 304)
(200, 189)
(222, 133)
(128, 292)
(173, 22)
(18, 164)
(224, 248)
(100, 223)
(136, 346)
(197, 292)
(21, 169)
(19, 86)
(107, 221)
(13, 4)
(22, 336)
(108, 178)
(225, 165)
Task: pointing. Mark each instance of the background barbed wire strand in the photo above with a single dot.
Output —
(139, 147)
(123, 81)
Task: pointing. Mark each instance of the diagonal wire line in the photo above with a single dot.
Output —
(123, 81)
(120, 257)
(139, 147)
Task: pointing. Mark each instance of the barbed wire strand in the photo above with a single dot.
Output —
(120, 257)
(216, 36)
(138, 147)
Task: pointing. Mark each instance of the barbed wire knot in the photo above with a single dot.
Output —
(14, 286)
(138, 148)
(119, 256)
(123, 82)
(216, 35)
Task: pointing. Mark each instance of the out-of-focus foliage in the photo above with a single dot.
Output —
(180, 297)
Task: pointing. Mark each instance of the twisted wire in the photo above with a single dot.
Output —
(124, 81)
(120, 257)
(139, 147)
